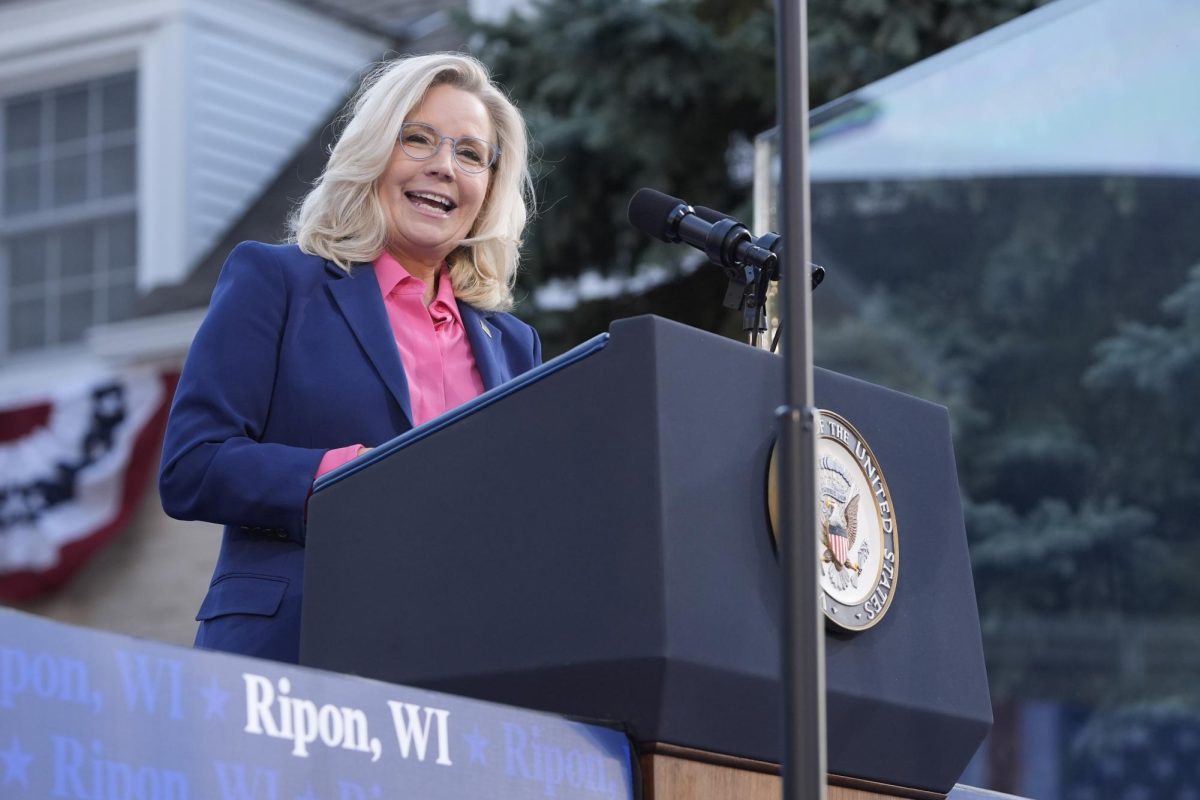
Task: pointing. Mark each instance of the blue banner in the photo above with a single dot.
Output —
(97, 716)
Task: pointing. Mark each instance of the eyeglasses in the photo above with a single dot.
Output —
(421, 141)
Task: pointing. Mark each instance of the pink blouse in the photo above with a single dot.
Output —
(433, 346)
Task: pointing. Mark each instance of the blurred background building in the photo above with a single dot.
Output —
(1002, 194)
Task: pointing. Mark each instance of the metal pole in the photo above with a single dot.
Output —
(804, 771)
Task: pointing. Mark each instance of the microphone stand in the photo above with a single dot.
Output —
(750, 270)
(751, 297)
(748, 277)
(804, 754)
(747, 293)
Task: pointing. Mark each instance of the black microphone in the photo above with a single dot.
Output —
(768, 241)
(726, 242)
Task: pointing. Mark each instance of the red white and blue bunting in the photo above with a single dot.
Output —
(72, 470)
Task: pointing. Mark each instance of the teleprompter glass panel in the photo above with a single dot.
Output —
(1009, 231)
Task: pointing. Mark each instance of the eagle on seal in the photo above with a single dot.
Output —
(838, 533)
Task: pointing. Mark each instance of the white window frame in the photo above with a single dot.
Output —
(56, 221)
(57, 42)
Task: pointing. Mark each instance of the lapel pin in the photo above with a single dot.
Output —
(486, 329)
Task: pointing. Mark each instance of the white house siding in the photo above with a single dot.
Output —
(258, 77)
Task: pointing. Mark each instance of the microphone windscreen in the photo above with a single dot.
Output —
(650, 212)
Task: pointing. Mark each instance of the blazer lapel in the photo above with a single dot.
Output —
(486, 346)
(357, 296)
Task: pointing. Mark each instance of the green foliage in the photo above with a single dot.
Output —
(1139, 377)
(621, 94)
(1092, 556)
(1154, 364)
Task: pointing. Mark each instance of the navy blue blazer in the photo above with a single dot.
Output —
(295, 357)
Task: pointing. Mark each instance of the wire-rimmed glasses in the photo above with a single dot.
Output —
(421, 141)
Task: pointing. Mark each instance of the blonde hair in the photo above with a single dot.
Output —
(342, 218)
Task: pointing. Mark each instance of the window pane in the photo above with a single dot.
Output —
(122, 243)
(118, 104)
(26, 260)
(71, 148)
(71, 114)
(78, 253)
(23, 124)
(21, 189)
(70, 180)
(76, 314)
(117, 170)
(120, 299)
(27, 324)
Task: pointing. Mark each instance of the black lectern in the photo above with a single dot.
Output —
(592, 539)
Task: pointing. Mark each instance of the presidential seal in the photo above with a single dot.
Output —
(857, 544)
(858, 551)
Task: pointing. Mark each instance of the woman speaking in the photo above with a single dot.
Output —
(385, 310)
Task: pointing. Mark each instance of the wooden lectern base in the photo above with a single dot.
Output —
(670, 772)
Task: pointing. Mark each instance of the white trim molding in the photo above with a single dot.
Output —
(158, 339)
